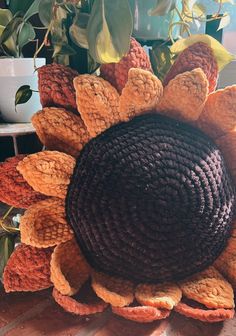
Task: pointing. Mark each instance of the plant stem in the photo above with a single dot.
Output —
(43, 43)
(7, 228)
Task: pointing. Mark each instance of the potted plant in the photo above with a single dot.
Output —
(16, 31)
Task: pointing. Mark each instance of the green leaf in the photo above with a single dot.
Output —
(19, 5)
(161, 60)
(63, 49)
(7, 244)
(33, 9)
(223, 57)
(45, 11)
(224, 21)
(26, 34)
(78, 30)
(163, 7)
(5, 16)
(10, 29)
(109, 30)
(23, 95)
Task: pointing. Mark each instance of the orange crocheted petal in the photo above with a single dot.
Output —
(218, 116)
(69, 270)
(73, 306)
(142, 314)
(184, 96)
(164, 296)
(198, 55)
(227, 144)
(56, 86)
(117, 292)
(210, 316)
(209, 288)
(140, 94)
(48, 172)
(97, 102)
(15, 191)
(44, 224)
(60, 130)
(28, 269)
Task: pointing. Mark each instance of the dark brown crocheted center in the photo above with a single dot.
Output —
(151, 200)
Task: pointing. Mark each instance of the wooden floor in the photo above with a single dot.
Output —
(36, 314)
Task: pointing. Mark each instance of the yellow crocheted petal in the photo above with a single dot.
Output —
(44, 224)
(69, 270)
(184, 96)
(61, 130)
(219, 114)
(97, 101)
(141, 94)
(227, 144)
(164, 296)
(209, 288)
(48, 172)
(117, 292)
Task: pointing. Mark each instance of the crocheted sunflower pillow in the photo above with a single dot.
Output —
(135, 193)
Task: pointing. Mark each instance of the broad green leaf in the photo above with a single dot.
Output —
(163, 7)
(224, 21)
(26, 34)
(78, 30)
(9, 46)
(161, 61)
(45, 11)
(23, 95)
(223, 57)
(5, 16)
(10, 29)
(63, 49)
(19, 5)
(7, 244)
(33, 9)
(109, 30)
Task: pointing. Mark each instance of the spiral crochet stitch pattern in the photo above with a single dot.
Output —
(150, 200)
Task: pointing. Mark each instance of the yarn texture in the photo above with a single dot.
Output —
(150, 200)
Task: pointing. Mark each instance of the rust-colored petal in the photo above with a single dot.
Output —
(15, 191)
(28, 269)
(117, 292)
(69, 270)
(198, 55)
(48, 172)
(60, 130)
(142, 314)
(184, 96)
(117, 73)
(209, 288)
(56, 86)
(210, 316)
(219, 114)
(97, 101)
(227, 144)
(164, 296)
(44, 224)
(141, 94)
(73, 306)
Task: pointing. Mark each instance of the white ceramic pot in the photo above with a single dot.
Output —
(15, 72)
